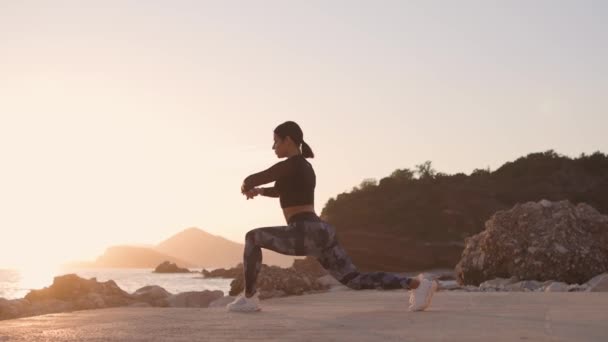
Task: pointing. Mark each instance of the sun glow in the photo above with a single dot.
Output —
(38, 277)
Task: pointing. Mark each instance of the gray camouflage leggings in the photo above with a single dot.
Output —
(309, 235)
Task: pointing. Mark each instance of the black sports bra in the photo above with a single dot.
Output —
(294, 179)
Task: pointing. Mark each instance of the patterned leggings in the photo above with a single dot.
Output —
(307, 234)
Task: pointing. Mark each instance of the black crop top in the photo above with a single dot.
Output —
(294, 178)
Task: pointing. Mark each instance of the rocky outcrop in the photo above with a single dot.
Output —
(304, 276)
(556, 286)
(157, 296)
(169, 267)
(154, 295)
(82, 293)
(12, 308)
(224, 273)
(310, 267)
(598, 283)
(514, 285)
(70, 292)
(274, 281)
(194, 299)
(538, 241)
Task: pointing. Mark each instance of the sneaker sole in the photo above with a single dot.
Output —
(244, 309)
(429, 297)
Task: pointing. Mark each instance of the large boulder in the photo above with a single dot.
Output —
(82, 293)
(170, 267)
(538, 241)
(274, 281)
(153, 295)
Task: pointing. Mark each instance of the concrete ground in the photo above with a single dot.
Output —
(366, 315)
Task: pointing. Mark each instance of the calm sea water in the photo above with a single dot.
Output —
(17, 283)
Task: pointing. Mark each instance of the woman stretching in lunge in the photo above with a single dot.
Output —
(305, 233)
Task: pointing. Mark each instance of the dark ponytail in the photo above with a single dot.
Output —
(292, 129)
(306, 151)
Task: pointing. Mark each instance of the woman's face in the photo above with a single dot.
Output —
(280, 146)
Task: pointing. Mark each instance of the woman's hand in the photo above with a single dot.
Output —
(253, 192)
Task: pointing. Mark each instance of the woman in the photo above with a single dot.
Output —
(305, 233)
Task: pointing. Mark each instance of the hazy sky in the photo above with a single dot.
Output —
(128, 121)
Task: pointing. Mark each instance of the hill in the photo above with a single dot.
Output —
(131, 257)
(418, 219)
(213, 251)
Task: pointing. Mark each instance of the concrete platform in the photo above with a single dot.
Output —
(367, 315)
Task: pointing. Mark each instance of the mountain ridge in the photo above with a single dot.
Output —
(192, 247)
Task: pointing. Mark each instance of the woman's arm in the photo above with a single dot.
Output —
(269, 175)
(269, 192)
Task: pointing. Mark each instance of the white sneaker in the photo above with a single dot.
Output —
(420, 297)
(244, 304)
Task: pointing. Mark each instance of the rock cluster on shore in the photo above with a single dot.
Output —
(224, 273)
(70, 292)
(598, 283)
(309, 266)
(170, 267)
(274, 281)
(538, 241)
(304, 276)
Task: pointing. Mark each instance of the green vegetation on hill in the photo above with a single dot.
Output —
(418, 219)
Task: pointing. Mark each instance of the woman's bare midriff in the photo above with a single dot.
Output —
(289, 211)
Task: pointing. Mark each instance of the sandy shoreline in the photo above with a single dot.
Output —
(367, 315)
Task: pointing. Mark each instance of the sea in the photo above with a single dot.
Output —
(16, 283)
